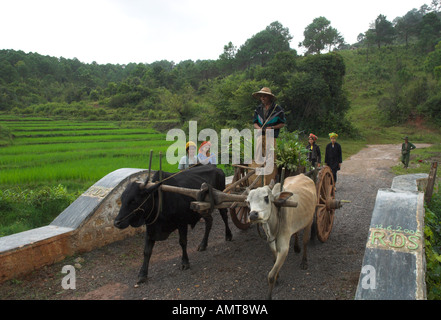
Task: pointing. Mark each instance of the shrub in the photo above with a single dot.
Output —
(22, 210)
(290, 152)
(432, 232)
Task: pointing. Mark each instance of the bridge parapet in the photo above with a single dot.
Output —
(394, 261)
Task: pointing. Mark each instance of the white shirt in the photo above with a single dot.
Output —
(185, 162)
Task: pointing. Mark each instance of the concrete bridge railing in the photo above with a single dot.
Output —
(394, 260)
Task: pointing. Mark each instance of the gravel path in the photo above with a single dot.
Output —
(230, 270)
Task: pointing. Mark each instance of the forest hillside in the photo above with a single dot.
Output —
(389, 77)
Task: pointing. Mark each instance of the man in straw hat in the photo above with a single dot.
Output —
(268, 115)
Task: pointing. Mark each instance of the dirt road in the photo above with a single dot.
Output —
(230, 270)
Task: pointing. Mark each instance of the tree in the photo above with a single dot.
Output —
(433, 59)
(384, 31)
(279, 68)
(263, 46)
(435, 6)
(227, 58)
(314, 98)
(430, 32)
(407, 26)
(229, 52)
(320, 34)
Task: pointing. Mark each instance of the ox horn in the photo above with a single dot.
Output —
(272, 184)
(281, 199)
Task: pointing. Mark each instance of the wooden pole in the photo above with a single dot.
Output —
(282, 179)
(150, 165)
(160, 179)
(430, 182)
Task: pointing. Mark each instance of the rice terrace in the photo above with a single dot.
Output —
(69, 154)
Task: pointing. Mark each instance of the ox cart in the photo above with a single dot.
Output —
(233, 197)
(325, 206)
(317, 208)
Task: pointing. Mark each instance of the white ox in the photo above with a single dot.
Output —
(280, 223)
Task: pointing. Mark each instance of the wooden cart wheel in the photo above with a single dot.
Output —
(324, 214)
(239, 216)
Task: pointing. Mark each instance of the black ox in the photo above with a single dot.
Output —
(139, 206)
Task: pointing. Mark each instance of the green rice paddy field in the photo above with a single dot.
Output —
(45, 164)
(44, 151)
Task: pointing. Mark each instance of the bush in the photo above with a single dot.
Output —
(432, 109)
(22, 210)
(432, 232)
(290, 152)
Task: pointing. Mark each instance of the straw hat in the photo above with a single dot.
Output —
(264, 90)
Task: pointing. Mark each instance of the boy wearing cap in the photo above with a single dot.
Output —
(189, 159)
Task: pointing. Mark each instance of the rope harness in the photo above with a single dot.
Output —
(139, 208)
(266, 233)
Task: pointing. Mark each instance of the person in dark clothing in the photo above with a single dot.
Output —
(406, 147)
(314, 154)
(333, 155)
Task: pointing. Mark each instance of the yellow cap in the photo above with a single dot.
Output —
(190, 143)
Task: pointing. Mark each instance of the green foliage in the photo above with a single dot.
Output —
(384, 31)
(319, 35)
(27, 209)
(233, 102)
(406, 27)
(314, 96)
(5, 136)
(76, 154)
(398, 80)
(263, 46)
(429, 35)
(432, 232)
(290, 152)
(433, 59)
(432, 109)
